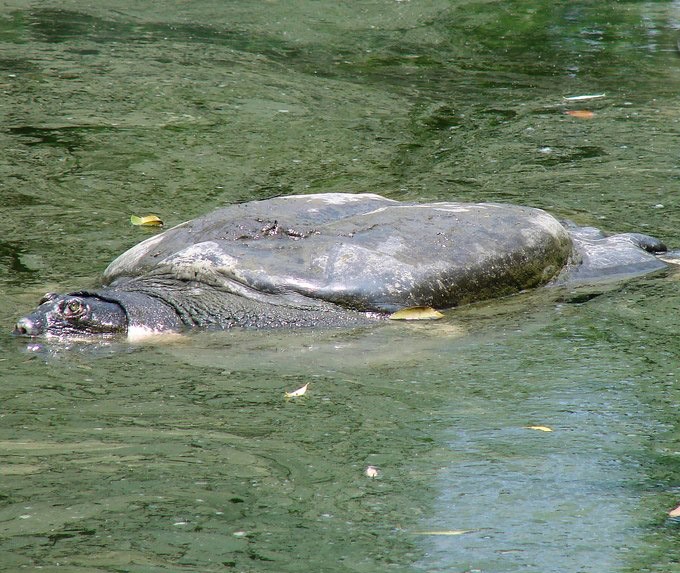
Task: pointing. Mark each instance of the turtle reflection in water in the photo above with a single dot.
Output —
(334, 259)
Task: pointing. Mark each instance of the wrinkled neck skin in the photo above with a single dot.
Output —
(146, 314)
(172, 306)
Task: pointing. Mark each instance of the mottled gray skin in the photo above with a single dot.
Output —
(337, 259)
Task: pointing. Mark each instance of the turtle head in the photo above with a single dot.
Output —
(73, 315)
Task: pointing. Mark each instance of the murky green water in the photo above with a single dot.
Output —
(187, 457)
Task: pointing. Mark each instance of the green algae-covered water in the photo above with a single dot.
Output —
(186, 456)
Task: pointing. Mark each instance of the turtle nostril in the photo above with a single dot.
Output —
(24, 327)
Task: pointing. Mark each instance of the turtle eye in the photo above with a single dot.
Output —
(47, 297)
(73, 308)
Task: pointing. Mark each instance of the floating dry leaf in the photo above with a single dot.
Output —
(540, 428)
(446, 532)
(674, 512)
(372, 472)
(583, 97)
(297, 393)
(416, 313)
(148, 221)
(580, 113)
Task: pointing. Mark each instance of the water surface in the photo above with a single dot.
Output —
(186, 456)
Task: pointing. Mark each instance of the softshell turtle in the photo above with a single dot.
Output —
(334, 259)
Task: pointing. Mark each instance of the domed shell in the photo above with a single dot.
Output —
(361, 251)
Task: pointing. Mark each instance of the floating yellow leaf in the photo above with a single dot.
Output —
(674, 512)
(297, 393)
(416, 313)
(540, 428)
(580, 113)
(148, 221)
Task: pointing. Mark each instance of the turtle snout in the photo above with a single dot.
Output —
(27, 327)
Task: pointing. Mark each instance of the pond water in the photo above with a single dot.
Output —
(186, 456)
